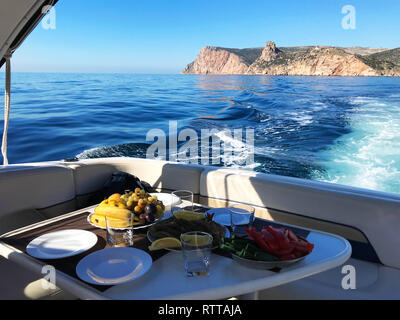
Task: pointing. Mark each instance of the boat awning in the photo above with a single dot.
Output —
(17, 20)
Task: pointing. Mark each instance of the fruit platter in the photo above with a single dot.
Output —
(271, 248)
(145, 208)
(166, 234)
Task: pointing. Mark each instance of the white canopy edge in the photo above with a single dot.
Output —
(14, 17)
(17, 20)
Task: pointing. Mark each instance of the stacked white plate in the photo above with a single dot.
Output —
(61, 244)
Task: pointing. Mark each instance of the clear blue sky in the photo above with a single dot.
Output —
(162, 36)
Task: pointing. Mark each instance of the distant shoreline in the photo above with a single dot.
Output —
(283, 75)
(187, 74)
(322, 61)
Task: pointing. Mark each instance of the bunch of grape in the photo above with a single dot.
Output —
(144, 205)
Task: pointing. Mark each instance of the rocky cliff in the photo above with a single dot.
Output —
(308, 61)
(217, 60)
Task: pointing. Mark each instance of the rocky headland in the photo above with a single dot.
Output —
(299, 61)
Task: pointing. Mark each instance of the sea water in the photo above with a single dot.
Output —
(340, 130)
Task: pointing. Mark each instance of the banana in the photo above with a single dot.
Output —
(100, 221)
(113, 212)
(115, 197)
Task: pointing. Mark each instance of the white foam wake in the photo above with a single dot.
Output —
(230, 151)
(369, 156)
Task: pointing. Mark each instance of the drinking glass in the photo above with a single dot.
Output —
(186, 202)
(241, 215)
(120, 232)
(196, 251)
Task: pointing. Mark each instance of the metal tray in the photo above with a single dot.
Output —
(265, 265)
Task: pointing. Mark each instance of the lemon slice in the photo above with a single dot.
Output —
(188, 215)
(196, 240)
(165, 243)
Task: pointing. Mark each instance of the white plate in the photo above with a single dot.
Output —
(223, 217)
(167, 199)
(114, 266)
(61, 244)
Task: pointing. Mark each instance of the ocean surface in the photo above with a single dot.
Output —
(341, 130)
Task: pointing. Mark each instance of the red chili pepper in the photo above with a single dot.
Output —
(259, 240)
(284, 252)
(278, 234)
(298, 254)
(282, 243)
(292, 236)
(270, 239)
(285, 232)
(302, 242)
(301, 246)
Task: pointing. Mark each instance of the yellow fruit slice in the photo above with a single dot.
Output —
(113, 212)
(115, 197)
(122, 205)
(100, 221)
(188, 215)
(196, 240)
(165, 243)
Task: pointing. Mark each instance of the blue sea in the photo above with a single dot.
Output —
(341, 130)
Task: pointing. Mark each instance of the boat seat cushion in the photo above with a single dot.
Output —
(24, 189)
(374, 214)
(91, 175)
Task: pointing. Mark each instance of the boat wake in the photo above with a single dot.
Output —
(329, 129)
(368, 156)
(124, 150)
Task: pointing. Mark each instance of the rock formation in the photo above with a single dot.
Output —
(217, 61)
(305, 61)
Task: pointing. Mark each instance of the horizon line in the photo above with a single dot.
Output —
(66, 72)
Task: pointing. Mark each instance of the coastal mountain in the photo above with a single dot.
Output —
(217, 60)
(386, 63)
(307, 61)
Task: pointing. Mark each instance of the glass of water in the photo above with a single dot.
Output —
(241, 215)
(186, 200)
(196, 250)
(120, 231)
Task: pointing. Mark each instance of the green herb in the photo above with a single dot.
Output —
(247, 249)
